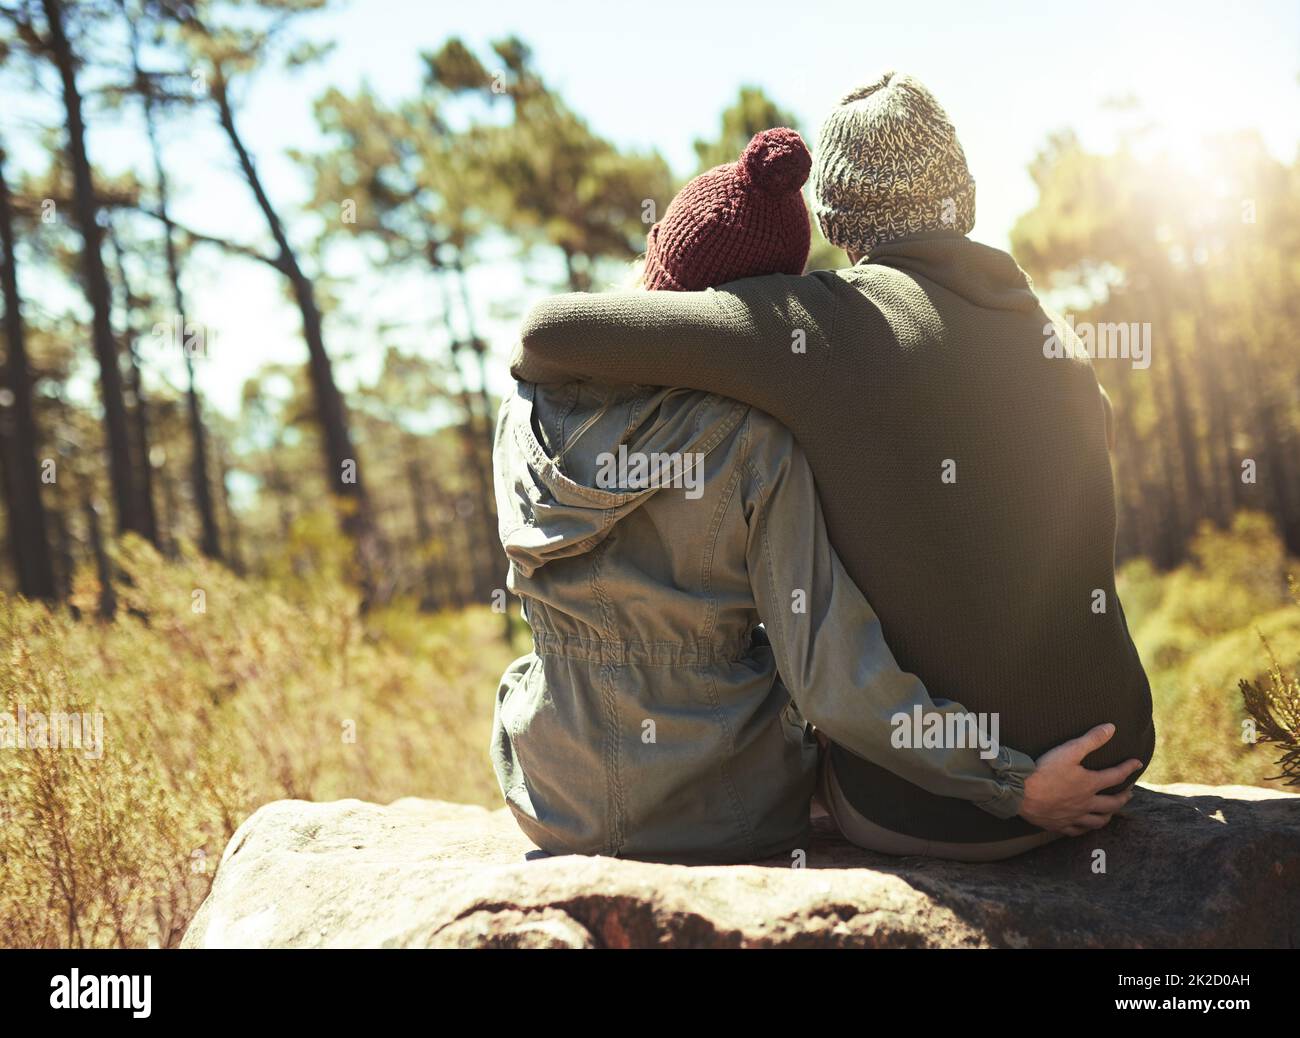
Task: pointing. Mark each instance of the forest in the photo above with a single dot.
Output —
(303, 596)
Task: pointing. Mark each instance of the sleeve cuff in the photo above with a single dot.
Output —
(1011, 768)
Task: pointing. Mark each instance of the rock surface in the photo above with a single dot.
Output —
(1184, 866)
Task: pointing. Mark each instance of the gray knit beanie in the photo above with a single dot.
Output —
(888, 166)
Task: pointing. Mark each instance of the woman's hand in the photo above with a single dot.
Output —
(1062, 796)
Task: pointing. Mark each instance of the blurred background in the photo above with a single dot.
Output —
(261, 265)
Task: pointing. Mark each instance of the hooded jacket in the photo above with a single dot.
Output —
(649, 532)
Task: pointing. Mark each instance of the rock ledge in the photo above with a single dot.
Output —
(1185, 866)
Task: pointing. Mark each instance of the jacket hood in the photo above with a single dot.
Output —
(622, 445)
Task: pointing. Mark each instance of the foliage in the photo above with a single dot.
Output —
(1274, 703)
(1195, 242)
(1198, 629)
(545, 174)
(207, 715)
(752, 112)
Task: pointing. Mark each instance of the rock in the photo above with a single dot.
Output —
(1184, 866)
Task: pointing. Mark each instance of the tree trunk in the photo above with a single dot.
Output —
(496, 557)
(140, 411)
(484, 542)
(18, 436)
(579, 280)
(116, 425)
(1269, 440)
(103, 567)
(1272, 461)
(1219, 447)
(1216, 387)
(433, 590)
(234, 552)
(1174, 522)
(342, 471)
(171, 512)
(1143, 531)
(63, 541)
(1187, 447)
(209, 537)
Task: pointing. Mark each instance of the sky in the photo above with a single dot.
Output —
(658, 76)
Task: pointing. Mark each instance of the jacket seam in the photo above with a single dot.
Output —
(612, 749)
(765, 548)
(711, 540)
(724, 769)
(737, 803)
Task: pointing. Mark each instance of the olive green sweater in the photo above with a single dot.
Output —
(964, 473)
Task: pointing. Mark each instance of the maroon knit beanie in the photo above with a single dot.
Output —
(736, 221)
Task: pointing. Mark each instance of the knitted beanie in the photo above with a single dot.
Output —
(738, 220)
(889, 165)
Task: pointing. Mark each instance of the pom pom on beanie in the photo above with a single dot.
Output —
(739, 220)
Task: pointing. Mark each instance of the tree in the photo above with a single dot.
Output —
(138, 397)
(229, 51)
(1141, 239)
(402, 177)
(19, 467)
(399, 398)
(752, 112)
(152, 95)
(546, 176)
(56, 46)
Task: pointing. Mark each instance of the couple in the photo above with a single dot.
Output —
(872, 499)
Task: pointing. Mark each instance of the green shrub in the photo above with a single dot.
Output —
(1198, 629)
(1274, 705)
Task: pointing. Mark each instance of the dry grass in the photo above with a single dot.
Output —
(278, 689)
(207, 715)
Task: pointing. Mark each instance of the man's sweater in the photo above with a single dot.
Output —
(964, 473)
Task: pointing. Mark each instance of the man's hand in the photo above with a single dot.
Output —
(1062, 795)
